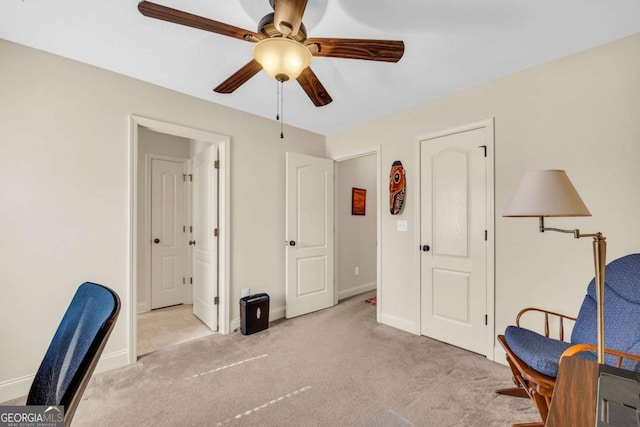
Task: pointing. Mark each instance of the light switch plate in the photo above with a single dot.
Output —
(403, 225)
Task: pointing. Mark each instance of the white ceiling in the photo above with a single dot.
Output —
(450, 45)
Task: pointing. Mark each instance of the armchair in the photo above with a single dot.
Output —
(75, 349)
(534, 358)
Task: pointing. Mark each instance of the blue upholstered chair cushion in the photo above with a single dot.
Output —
(542, 354)
(621, 310)
(621, 319)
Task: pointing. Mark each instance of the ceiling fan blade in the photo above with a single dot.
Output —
(313, 88)
(370, 50)
(288, 16)
(164, 13)
(239, 78)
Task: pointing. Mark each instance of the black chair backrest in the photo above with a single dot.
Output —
(75, 349)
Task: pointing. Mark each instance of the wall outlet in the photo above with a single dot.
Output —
(402, 225)
(246, 292)
(356, 271)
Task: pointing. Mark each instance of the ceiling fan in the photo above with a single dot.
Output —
(282, 48)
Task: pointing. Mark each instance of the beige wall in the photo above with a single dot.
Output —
(356, 233)
(65, 187)
(579, 113)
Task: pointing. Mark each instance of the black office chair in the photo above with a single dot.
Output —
(75, 349)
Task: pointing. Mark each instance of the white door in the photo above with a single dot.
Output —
(453, 229)
(204, 240)
(309, 234)
(167, 236)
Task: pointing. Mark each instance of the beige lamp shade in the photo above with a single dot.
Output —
(546, 193)
(282, 58)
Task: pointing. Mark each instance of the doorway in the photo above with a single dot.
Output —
(311, 239)
(456, 237)
(187, 189)
(357, 265)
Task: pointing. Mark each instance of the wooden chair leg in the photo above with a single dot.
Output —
(513, 391)
(542, 403)
(518, 390)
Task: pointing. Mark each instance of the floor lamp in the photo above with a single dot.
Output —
(550, 193)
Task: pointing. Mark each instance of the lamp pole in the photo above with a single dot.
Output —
(599, 259)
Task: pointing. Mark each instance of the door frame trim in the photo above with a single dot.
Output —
(488, 125)
(377, 151)
(224, 216)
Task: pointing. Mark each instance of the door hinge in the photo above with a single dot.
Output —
(486, 235)
(184, 280)
(184, 228)
(187, 175)
(216, 300)
(485, 149)
(192, 242)
(190, 229)
(216, 232)
(486, 319)
(191, 280)
(216, 164)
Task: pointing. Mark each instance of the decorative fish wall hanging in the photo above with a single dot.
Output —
(397, 188)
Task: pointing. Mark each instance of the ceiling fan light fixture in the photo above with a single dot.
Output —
(282, 58)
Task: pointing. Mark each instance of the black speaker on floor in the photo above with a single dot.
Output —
(254, 313)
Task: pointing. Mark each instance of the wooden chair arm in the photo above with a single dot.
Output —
(582, 348)
(547, 313)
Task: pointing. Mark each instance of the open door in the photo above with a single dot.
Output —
(309, 234)
(205, 244)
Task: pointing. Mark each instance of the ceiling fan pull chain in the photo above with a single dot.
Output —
(277, 100)
(281, 110)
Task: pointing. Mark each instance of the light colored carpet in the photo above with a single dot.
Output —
(388, 419)
(336, 367)
(169, 326)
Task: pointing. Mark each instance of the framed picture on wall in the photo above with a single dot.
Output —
(358, 201)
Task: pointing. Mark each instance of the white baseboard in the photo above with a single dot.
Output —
(114, 360)
(357, 290)
(142, 307)
(15, 388)
(399, 323)
(18, 387)
(274, 314)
